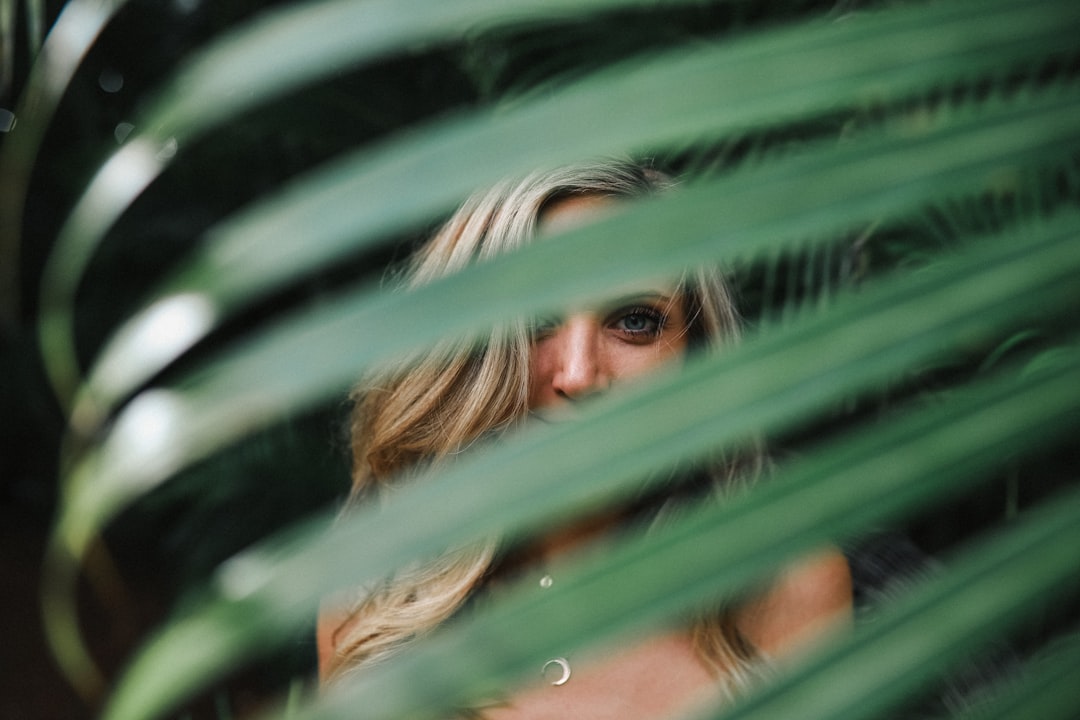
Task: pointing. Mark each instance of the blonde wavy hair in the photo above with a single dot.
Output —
(437, 404)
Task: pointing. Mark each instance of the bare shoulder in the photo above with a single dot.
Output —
(807, 601)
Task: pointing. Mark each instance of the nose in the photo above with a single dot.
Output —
(579, 371)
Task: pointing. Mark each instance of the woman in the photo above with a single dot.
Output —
(440, 403)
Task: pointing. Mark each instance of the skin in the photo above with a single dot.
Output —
(574, 357)
(585, 353)
(589, 349)
(661, 676)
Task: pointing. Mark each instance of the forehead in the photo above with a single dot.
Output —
(568, 212)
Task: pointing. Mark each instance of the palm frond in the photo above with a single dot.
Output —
(895, 189)
(693, 93)
(719, 400)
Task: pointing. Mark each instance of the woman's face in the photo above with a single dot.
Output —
(589, 349)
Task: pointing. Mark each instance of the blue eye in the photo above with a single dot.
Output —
(639, 322)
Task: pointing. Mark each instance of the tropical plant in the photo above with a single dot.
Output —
(893, 185)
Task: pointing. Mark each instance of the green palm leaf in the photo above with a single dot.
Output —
(69, 40)
(960, 123)
(253, 386)
(779, 76)
(737, 216)
(765, 384)
(943, 623)
(836, 492)
(1050, 691)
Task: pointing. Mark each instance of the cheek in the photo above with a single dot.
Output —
(540, 369)
(629, 361)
